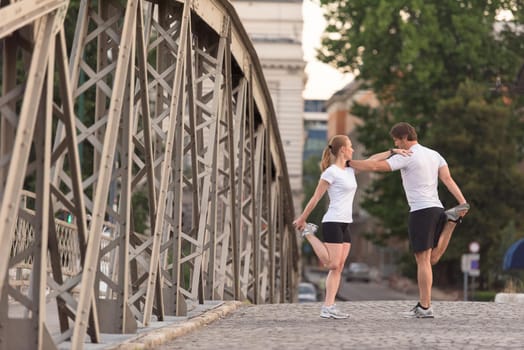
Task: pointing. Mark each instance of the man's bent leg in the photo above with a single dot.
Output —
(424, 277)
(443, 242)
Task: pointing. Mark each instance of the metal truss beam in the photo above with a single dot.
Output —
(141, 174)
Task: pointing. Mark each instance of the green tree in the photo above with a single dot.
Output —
(481, 148)
(435, 64)
(416, 52)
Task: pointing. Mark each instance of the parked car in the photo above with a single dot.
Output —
(357, 271)
(307, 292)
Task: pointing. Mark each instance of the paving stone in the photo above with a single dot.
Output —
(372, 325)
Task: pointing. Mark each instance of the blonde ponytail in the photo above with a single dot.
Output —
(327, 158)
(331, 150)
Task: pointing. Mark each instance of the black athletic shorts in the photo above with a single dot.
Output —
(336, 232)
(424, 228)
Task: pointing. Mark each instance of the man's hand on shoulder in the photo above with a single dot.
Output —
(401, 151)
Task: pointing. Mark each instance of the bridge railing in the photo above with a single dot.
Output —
(151, 116)
(68, 247)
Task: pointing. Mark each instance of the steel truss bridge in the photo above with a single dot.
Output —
(141, 168)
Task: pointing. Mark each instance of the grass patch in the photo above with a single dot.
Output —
(484, 295)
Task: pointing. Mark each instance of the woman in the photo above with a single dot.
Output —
(339, 181)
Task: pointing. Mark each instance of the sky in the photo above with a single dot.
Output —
(323, 80)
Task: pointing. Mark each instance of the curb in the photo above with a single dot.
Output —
(157, 337)
(509, 298)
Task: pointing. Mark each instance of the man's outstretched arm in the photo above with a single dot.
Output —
(445, 176)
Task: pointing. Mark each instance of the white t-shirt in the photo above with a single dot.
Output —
(341, 191)
(419, 176)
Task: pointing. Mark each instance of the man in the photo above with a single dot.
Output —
(429, 227)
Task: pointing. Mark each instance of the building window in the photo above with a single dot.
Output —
(315, 140)
(312, 106)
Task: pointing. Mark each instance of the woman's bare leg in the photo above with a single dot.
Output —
(339, 253)
(320, 249)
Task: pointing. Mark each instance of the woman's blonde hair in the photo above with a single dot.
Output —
(331, 150)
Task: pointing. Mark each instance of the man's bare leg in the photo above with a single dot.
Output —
(424, 277)
(445, 237)
(443, 242)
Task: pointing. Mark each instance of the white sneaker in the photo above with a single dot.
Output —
(454, 214)
(310, 229)
(419, 312)
(332, 312)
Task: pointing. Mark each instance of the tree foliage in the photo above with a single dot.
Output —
(438, 64)
(480, 144)
(417, 52)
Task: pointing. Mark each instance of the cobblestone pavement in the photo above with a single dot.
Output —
(372, 325)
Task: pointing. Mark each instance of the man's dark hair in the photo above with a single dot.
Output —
(401, 130)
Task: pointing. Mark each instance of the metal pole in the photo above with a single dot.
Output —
(465, 286)
(473, 288)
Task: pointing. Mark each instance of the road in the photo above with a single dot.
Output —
(360, 291)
